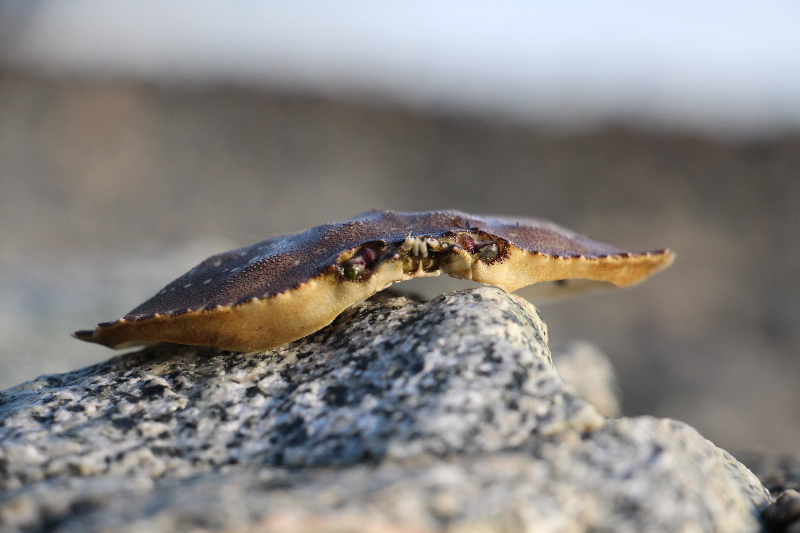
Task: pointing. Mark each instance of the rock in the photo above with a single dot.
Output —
(778, 472)
(400, 416)
(784, 512)
(582, 365)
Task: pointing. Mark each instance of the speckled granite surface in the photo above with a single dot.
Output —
(400, 416)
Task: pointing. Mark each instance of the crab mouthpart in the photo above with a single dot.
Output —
(455, 254)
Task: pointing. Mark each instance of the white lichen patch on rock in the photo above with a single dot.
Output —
(400, 416)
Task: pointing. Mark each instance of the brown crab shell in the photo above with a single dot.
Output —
(284, 288)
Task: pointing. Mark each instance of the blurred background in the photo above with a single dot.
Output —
(139, 137)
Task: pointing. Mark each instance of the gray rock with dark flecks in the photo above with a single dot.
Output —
(400, 416)
(588, 370)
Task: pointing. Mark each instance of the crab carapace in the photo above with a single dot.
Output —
(284, 288)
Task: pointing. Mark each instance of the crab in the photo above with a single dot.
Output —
(284, 288)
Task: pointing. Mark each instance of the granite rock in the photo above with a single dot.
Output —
(780, 474)
(589, 371)
(400, 416)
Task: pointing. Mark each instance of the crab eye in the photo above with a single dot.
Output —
(369, 255)
(468, 243)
